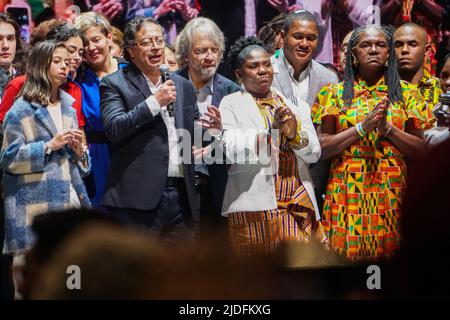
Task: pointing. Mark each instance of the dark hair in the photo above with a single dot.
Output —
(64, 32)
(301, 15)
(38, 87)
(40, 32)
(53, 227)
(19, 41)
(241, 48)
(333, 68)
(270, 30)
(392, 78)
(131, 28)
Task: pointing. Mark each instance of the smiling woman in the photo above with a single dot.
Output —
(99, 62)
(266, 207)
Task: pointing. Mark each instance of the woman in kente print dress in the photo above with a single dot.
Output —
(370, 123)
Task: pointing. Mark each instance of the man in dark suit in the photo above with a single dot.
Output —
(200, 48)
(148, 183)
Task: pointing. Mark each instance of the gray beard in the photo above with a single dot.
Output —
(206, 74)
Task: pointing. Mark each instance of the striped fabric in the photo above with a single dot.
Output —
(259, 232)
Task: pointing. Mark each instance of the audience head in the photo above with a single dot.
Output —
(251, 62)
(445, 74)
(117, 263)
(48, 68)
(170, 59)
(271, 33)
(75, 42)
(370, 51)
(97, 30)
(411, 45)
(117, 43)
(40, 32)
(144, 43)
(200, 47)
(50, 230)
(343, 50)
(300, 38)
(10, 41)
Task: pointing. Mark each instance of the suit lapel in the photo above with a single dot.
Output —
(314, 78)
(67, 111)
(282, 79)
(251, 109)
(217, 91)
(44, 117)
(178, 107)
(136, 78)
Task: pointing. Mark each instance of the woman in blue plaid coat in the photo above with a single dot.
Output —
(42, 157)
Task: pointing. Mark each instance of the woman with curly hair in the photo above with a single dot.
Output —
(269, 197)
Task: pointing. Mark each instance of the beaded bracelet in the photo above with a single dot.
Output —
(360, 130)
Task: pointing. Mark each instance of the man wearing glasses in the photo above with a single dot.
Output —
(148, 183)
(199, 49)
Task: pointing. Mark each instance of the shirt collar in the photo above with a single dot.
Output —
(207, 88)
(361, 86)
(303, 75)
(426, 80)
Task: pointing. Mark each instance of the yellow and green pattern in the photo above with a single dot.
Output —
(259, 232)
(430, 89)
(367, 180)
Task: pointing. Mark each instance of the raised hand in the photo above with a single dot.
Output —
(280, 5)
(60, 140)
(285, 120)
(166, 94)
(165, 8)
(76, 143)
(211, 119)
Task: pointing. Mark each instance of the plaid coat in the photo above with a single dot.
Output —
(34, 182)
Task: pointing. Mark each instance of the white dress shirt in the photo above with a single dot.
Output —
(300, 86)
(175, 164)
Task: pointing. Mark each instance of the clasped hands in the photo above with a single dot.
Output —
(73, 138)
(377, 119)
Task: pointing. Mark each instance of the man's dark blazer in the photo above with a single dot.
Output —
(139, 140)
(218, 174)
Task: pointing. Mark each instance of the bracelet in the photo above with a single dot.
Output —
(388, 132)
(360, 130)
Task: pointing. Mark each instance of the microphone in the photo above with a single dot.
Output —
(165, 75)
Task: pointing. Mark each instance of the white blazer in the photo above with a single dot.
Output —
(250, 185)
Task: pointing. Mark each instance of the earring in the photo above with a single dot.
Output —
(355, 61)
(386, 64)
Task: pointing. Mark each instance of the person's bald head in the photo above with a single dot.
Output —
(411, 45)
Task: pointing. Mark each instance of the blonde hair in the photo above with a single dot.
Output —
(91, 19)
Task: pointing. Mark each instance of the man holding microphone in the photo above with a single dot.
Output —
(148, 183)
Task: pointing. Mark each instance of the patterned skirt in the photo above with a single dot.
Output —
(259, 232)
(362, 206)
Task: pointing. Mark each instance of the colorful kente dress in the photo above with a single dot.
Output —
(259, 232)
(430, 89)
(367, 180)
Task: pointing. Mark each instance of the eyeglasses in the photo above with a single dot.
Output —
(205, 51)
(149, 43)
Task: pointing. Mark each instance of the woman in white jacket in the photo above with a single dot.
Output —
(269, 197)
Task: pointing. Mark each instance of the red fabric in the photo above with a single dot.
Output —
(75, 91)
(13, 88)
(10, 94)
